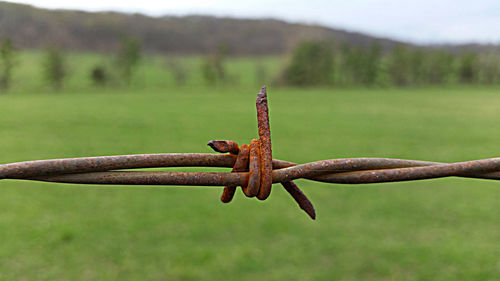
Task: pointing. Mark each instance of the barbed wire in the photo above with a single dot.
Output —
(253, 168)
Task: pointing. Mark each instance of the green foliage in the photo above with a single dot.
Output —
(350, 66)
(417, 67)
(129, 57)
(360, 66)
(312, 64)
(6, 63)
(213, 69)
(439, 67)
(354, 66)
(370, 65)
(399, 66)
(178, 71)
(489, 69)
(411, 67)
(152, 73)
(468, 68)
(55, 67)
(99, 75)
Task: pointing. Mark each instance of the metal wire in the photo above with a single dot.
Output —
(348, 170)
(253, 168)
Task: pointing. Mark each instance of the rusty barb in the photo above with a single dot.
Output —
(253, 168)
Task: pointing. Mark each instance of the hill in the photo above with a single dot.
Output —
(32, 27)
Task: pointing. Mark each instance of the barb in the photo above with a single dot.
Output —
(253, 168)
(266, 158)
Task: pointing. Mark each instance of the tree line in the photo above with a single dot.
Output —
(55, 70)
(325, 64)
(55, 66)
(312, 63)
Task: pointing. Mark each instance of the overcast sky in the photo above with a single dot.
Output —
(420, 21)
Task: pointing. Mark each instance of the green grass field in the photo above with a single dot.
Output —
(443, 229)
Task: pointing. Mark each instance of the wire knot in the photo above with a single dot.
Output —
(256, 159)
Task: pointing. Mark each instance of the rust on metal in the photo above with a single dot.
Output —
(224, 146)
(340, 170)
(240, 165)
(266, 158)
(30, 169)
(151, 178)
(253, 187)
(253, 168)
(301, 199)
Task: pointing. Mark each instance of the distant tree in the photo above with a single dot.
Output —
(213, 69)
(468, 68)
(208, 71)
(438, 67)
(99, 75)
(6, 63)
(128, 58)
(312, 64)
(489, 68)
(359, 65)
(417, 67)
(399, 66)
(55, 67)
(370, 65)
(349, 66)
(179, 73)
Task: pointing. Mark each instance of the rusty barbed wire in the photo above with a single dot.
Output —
(253, 168)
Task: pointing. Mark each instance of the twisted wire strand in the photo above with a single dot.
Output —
(346, 170)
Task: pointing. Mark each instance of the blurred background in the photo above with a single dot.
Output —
(413, 79)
